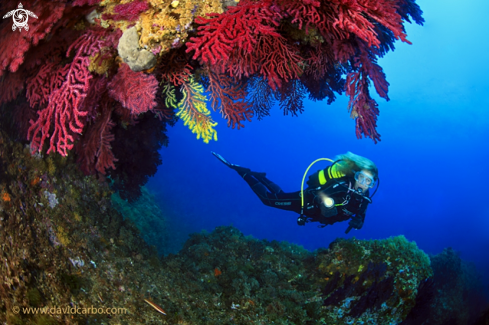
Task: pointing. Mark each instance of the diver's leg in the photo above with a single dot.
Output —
(262, 179)
(283, 201)
(269, 193)
(242, 171)
(272, 187)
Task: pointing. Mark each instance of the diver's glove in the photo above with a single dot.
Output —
(356, 222)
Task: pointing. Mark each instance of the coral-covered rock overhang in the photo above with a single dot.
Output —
(84, 67)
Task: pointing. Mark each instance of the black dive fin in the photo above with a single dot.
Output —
(239, 169)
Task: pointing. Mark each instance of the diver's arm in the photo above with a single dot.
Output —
(358, 219)
(355, 222)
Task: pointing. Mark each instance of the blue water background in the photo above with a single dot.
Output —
(433, 157)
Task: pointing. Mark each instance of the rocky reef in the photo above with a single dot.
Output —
(147, 217)
(69, 257)
(234, 279)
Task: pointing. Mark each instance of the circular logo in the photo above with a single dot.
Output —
(16, 309)
(20, 17)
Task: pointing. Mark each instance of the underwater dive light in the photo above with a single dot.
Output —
(328, 202)
(328, 207)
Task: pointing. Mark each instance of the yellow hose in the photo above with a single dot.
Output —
(304, 177)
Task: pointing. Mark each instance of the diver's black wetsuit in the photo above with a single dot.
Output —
(339, 189)
(328, 182)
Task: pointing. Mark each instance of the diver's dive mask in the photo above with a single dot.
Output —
(364, 179)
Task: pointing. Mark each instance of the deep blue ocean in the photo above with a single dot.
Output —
(432, 160)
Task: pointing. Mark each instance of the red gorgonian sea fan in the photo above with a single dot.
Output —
(308, 42)
(136, 91)
(63, 118)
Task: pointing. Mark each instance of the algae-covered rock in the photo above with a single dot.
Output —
(146, 216)
(248, 281)
(372, 282)
(459, 297)
(76, 253)
(81, 253)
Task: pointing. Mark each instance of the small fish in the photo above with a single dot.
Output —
(155, 306)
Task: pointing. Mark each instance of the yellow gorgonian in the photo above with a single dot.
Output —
(192, 109)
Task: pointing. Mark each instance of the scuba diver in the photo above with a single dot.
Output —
(337, 193)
